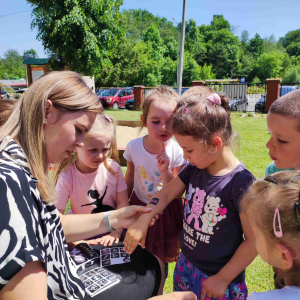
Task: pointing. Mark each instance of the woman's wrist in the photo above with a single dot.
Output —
(113, 219)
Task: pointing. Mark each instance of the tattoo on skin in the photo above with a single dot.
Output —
(154, 201)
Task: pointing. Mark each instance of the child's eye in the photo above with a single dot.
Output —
(105, 149)
(190, 151)
(79, 131)
(155, 122)
(281, 141)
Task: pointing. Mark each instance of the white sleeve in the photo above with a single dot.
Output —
(127, 152)
(178, 159)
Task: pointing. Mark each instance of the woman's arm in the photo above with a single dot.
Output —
(129, 177)
(215, 286)
(30, 283)
(114, 236)
(80, 227)
(138, 231)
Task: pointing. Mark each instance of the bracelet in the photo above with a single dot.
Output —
(106, 222)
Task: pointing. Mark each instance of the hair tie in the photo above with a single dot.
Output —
(186, 110)
(108, 118)
(214, 98)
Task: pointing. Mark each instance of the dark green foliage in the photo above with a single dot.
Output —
(83, 32)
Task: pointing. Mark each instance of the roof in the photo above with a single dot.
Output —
(35, 61)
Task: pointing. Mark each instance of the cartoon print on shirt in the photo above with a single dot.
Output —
(198, 203)
(188, 197)
(94, 194)
(213, 214)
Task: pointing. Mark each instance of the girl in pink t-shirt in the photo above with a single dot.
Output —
(91, 178)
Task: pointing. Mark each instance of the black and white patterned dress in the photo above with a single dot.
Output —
(30, 230)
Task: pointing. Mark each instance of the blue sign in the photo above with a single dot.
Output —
(242, 80)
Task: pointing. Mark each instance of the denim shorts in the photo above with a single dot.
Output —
(188, 278)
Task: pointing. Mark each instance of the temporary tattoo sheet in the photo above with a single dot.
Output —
(98, 280)
(91, 265)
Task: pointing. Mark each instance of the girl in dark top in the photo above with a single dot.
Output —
(214, 253)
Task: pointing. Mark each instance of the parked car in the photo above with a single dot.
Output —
(284, 89)
(129, 104)
(116, 97)
(4, 95)
(21, 90)
(239, 104)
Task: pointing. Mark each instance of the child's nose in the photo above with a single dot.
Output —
(269, 144)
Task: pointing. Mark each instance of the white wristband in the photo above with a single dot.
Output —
(106, 222)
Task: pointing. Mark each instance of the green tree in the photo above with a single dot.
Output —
(151, 36)
(223, 52)
(219, 23)
(194, 42)
(270, 65)
(292, 75)
(291, 37)
(293, 49)
(30, 54)
(12, 65)
(82, 32)
(170, 45)
(244, 40)
(256, 46)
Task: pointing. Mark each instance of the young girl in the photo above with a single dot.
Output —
(273, 206)
(94, 182)
(214, 252)
(284, 143)
(153, 161)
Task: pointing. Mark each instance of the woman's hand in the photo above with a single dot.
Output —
(215, 287)
(126, 216)
(135, 234)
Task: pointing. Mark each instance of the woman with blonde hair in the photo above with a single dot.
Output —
(45, 127)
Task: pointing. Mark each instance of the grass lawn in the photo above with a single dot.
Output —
(251, 150)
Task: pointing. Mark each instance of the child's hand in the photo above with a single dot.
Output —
(109, 239)
(214, 287)
(135, 234)
(163, 160)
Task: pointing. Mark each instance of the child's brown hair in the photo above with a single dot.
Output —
(6, 107)
(202, 119)
(161, 93)
(282, 191)
(288, 106)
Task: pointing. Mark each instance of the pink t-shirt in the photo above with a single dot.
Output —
(88, 188)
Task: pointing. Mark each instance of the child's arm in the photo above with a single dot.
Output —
(129, 177)
(138, 231)
(215, 286)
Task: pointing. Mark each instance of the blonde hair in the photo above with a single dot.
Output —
(68, 93)
(162, 93)
(105, 123)
(281, 190)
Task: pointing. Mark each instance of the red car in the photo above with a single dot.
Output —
(116, 97)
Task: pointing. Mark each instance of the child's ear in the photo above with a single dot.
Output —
(286, 257)
(217, 143)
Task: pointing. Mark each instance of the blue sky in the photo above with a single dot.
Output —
(264, 17)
